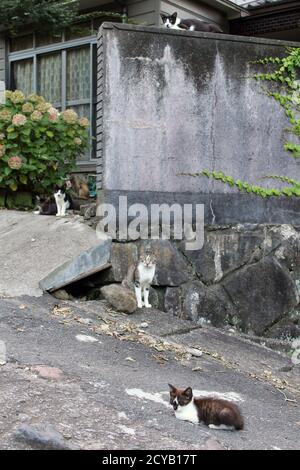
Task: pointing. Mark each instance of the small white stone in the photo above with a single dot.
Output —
(194, 352)
(87, 339)
(130, 359)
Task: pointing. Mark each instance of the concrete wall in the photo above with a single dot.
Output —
(172, 102)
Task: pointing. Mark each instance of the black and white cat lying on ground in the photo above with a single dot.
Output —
(173, 22)
(214, 412)
(57, 205)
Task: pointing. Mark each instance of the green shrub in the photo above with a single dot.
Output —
(38, 144)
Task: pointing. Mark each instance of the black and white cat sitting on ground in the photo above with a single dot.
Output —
(173, 22)
(58, 204)
(63, 200)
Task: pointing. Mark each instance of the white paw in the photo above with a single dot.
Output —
(148, 306)
(57, 215)
(140, 305)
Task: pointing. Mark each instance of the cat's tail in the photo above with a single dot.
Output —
(129, 279)
(231, 416)
(38, 210)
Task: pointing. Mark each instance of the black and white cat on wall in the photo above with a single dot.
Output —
(173, 22)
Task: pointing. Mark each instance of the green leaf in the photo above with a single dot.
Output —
(13, 186)
(12, 135)
(23, 179)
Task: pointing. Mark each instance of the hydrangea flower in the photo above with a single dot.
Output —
(19, 120)
(42, 107)
(2, 136)
(33, 98)
(53, 114)
(36, 115)
(8, 94)
(5, 115)
(27, 108)
(2, 150)
(17, 97)
(77, 141)
(70, 116)
(15, 163)
(84, 122)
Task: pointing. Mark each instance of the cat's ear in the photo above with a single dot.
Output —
(163, 17)
(172, 388)
(174, 16)
(188, 392)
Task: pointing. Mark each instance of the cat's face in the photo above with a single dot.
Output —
(60, 191)
(169, 21)
(148, 260)
(180, 397)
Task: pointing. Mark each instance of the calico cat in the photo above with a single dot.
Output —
(79, 186)
(173, 22)
(142, 275)
(214, 412)
(63, 200)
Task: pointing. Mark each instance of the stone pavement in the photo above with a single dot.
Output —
(78, 375)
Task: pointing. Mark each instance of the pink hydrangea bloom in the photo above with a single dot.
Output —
(15, 163)
(53, 114)
(19, 120)
(84, 122)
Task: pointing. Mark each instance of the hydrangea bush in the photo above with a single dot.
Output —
(38, 144)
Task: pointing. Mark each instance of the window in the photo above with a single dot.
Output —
(63, 72)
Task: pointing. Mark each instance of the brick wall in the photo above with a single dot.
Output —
(254, 26)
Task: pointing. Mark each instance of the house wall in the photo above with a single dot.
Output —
(173, 102)
(191, 9)
(267, 23)
(144, 11)
(148, 11)
(2, 59)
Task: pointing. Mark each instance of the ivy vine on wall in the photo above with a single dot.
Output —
(287, 94)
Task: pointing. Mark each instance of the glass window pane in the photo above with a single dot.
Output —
(83, 111)
(78, 74)
(21, 43)
(22, 73)
(49, 77)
